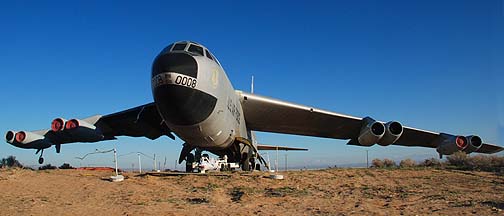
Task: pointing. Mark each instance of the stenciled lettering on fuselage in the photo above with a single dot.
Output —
(172, 78)
(233, 109)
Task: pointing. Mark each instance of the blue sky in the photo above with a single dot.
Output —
(428, 64)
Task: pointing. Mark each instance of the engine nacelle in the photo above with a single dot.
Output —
(58, 124)
(449, 144)
(371, 132)
(82, 131)
(474, 143)
(76, 123)
(393, 130)
(10, 136)
(25, 139)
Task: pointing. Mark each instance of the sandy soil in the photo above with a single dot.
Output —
(323, 192)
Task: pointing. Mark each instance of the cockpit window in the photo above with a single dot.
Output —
(180, 46)
(196, 49)
(208, 54)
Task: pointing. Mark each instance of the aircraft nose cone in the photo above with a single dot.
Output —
(181, 63)
(174, 87)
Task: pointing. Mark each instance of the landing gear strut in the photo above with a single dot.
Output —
(189, 162)
(246, 162)
(41, 159)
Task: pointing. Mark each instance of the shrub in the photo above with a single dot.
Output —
(10, 162)
(407, 163)
(377, 163)
(458, 159)
(432, 162)
(47, 167)
(65, 166)
(389, 163)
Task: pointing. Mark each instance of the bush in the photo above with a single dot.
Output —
(65, 166)
(457, 159)
(432, 162)
(407, 163)
(47, 167)
(377, 163)
(389, 163)
(10, 162)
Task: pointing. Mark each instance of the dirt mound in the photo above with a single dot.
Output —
(327, 192)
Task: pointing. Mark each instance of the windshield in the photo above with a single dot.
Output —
(196, 49)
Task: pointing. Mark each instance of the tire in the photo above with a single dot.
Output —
(246, 164)
(41, 160)
(189, 162)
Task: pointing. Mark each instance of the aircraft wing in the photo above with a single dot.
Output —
(141, 121)
(272, 115)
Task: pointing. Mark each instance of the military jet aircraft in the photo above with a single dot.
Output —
(194, 99)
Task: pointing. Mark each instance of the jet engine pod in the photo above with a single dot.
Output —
(371, 132)
(75, 123)
(25, 139)
(474, 143)
(393, 130)
(58, 124)
(82, 131)
(449, 144)
(9, 136)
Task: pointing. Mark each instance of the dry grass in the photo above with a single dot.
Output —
(322, 192)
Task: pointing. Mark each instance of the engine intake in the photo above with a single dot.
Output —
(474, 143)
(58, 124)
(371, 132)
(393, 131)
(10, 136)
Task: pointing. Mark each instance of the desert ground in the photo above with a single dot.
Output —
(318, 192)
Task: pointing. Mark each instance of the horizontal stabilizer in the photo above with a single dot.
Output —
(283, 148)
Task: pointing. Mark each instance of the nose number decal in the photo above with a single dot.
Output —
(172, 78)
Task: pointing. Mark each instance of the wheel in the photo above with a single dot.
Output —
(189, 162)
(258, 167)
(246, 164)
(41, 160)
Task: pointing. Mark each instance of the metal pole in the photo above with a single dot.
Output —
(164, 165)
(285, 162)
(139, 163)
(155, 168)
(115, 160)
(276, 161)
(367, 159)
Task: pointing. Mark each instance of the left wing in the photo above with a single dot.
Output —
(271, 115)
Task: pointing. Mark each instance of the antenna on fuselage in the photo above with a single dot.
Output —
(252, 85)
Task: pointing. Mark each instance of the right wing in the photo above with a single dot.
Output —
(141, 121)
